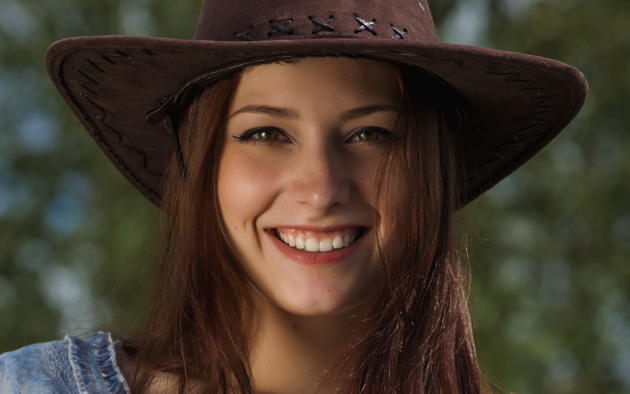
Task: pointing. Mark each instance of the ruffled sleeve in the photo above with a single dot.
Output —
(93, 364)
(68, 366)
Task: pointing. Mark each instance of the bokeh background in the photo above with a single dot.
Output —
(549, 246)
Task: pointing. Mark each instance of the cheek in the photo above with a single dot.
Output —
(363, 171)
(244, 187)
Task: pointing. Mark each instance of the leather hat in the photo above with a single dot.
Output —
(123, 88)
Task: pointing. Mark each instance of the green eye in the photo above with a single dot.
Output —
(271, 135)
(260, 135)
(372, 134)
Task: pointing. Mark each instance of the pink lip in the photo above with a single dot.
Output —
(318, 258)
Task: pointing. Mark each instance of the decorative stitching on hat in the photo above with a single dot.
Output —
(115, 54)
(144, 158)
(95, 65)
(527, 133)
(400, 34)
(107, 59)
(122, 53)
(542, 99)
(119, 139)
(95, 105)
(323, 24)
(101, 117)
(85, 75)
(117, 134)
(526, 84)
(252, 32)
(364, 24)
(92, 92)
(97, 132)
(244, 35)
(280, 26)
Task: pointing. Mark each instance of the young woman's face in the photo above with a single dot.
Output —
(328, 122)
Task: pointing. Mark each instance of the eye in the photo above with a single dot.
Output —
(270, 135)
(260, 135)
(372, 134)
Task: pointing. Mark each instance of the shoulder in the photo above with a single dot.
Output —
(41, 367)
(71, 365)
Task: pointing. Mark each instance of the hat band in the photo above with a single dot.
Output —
(354, 25)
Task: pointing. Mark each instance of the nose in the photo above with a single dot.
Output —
(320, 179)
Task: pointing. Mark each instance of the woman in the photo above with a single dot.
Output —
(308, 162)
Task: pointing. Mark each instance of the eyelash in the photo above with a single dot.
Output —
(246, 137)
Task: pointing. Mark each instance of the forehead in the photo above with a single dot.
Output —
(342, 80)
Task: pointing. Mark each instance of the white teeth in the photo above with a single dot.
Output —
(338, 242)
(313, 245)
(325, 245)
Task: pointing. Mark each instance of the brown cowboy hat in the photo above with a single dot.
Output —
(123, 88)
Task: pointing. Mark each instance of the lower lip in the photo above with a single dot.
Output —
(316, 258)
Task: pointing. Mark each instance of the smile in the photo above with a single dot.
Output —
(322, 248)
(318, 242)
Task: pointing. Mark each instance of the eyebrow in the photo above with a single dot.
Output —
(288, 113)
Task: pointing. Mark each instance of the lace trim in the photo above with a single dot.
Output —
(101, 346)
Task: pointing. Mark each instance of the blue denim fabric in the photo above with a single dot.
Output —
(71, 365)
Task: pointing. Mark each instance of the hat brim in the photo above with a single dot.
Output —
(518, 102)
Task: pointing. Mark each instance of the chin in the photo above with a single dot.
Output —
(314, 303)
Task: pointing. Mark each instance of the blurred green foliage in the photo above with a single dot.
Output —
(549, 246)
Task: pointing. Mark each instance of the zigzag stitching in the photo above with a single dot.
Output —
(97, 133)
(120, 140)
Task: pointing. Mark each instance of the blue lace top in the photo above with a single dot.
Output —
(71, 365)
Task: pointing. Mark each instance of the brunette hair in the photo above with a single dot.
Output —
(418, 337)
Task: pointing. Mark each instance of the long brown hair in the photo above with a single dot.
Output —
(418, 337)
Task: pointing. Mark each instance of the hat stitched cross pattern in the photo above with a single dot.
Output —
(298, 20)
(125, 89)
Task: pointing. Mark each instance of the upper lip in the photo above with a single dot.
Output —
(338, 227)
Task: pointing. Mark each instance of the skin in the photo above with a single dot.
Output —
(318, 170)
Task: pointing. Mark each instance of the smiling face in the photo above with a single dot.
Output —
(328, 122)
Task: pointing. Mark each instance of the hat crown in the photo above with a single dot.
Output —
(258, 20)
